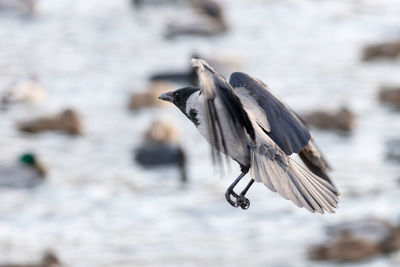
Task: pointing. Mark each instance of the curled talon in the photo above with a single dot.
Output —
(229, 199)
(243, 202)
(245, 205)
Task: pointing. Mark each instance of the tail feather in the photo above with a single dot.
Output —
(293, 182)
(316, 163)
(321, 186)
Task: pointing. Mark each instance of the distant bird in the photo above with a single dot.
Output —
(245, 121)
(224, 65)
(188, 76)
(148, 98)
(49, 259)
(25, 8)
(159, 154)
(29, 172)
(343, 119)
(390, 95)
(162, 131)
(140, 3)
(29, 92)
(211, 23)
(357, 240)
(162, 149)
(387, 50)
(68, 121)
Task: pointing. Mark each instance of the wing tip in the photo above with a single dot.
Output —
(201, 65)
(196, 62)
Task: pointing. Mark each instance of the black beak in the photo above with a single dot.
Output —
(168, 96)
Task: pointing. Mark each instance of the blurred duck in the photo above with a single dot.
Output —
(224, 65)
(27, 173)
(159, 154)
(67, 121)
(393, 149)
(389, 50)
(23, 7)
(390, 95)
(212, 21)
(29, 92)
(188, 76)
(49, 259)
(162, 132)
(140, 3)
(161, 148)
(149, 98)
(358, 240)
(343, 120)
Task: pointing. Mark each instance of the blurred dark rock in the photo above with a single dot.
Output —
(27, 173)
(49, 259)
(67, 121)
(358, 240)
(390, 95)
(389, 50)
(212, 21)
(149, 98)
(343, 119)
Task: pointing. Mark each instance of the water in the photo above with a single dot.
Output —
(100, 209)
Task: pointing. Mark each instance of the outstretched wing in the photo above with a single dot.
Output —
(281, 124)
(214, 87)
(285, 129)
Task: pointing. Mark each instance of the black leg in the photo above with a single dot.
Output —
(229, 192)
(243, 201)
(247, 187)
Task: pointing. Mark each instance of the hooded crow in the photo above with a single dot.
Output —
(246, 122)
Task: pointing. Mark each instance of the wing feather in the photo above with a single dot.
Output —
(286, 130)
(214, 86)
(280, 123)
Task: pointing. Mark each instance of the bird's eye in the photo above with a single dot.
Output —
(175, 94)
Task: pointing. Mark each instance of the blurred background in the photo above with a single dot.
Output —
(96, 171)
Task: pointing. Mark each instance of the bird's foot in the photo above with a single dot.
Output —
(239, 200)
(243, 202)
(228, 195)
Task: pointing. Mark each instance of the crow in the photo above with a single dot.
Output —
(245, 121)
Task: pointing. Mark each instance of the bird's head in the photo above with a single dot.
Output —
(179, 97)
(30, 160)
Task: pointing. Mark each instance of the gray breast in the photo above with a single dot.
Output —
(236, 148)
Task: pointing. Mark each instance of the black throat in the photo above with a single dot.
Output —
(182, 95)
(193, 117)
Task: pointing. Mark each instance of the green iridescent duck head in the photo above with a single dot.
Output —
(30, 159)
